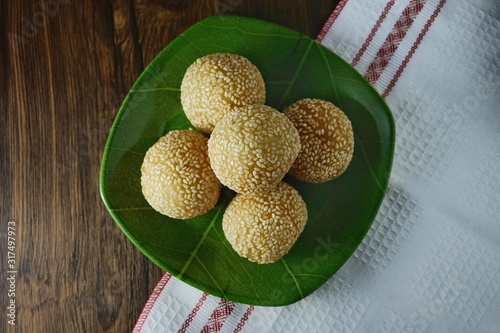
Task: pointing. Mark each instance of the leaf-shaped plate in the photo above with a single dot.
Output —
(340, 211)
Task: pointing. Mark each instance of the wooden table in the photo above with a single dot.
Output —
(65, 68)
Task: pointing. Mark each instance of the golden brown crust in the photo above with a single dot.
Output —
(177, 180)
(264, 227)
(252, 148)
(216, 84)
(327, 140)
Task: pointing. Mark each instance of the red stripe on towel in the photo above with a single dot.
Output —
(414, 47)
(193, 313)
(244, 319)
(151, 302)
(219, 316)
(373, 32)
(331, 20)
(393, 40)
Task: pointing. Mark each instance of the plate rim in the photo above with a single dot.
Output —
(151, 256)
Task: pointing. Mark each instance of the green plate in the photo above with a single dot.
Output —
(340, 211)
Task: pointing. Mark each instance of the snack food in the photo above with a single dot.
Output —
(252, 148)
(327, 140)
(176, 179)
(264, 227)
(216, 84)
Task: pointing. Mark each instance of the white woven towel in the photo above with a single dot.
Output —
(431, 261)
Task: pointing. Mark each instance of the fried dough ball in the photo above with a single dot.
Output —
(264, 227)
(216, 84)
(252, 148)
(177, 180)
(327, 140)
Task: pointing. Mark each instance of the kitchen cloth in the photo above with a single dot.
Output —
(431, 260)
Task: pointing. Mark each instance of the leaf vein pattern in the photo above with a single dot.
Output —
(296, 74)
(210, 275)
(372, 172)
(200, 243)
(293, 276)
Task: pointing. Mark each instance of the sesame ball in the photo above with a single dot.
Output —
(177, 180)
(264, 227)
(252, 148)
(216, 84)
(327, 140)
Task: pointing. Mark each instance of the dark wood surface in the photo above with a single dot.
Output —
(65, 67)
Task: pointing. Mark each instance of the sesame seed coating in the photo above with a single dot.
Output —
(252, 148)
(264, 227)
(216, 84)
(327, 140)
(176, 179)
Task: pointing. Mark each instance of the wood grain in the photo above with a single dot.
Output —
(65, 67)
